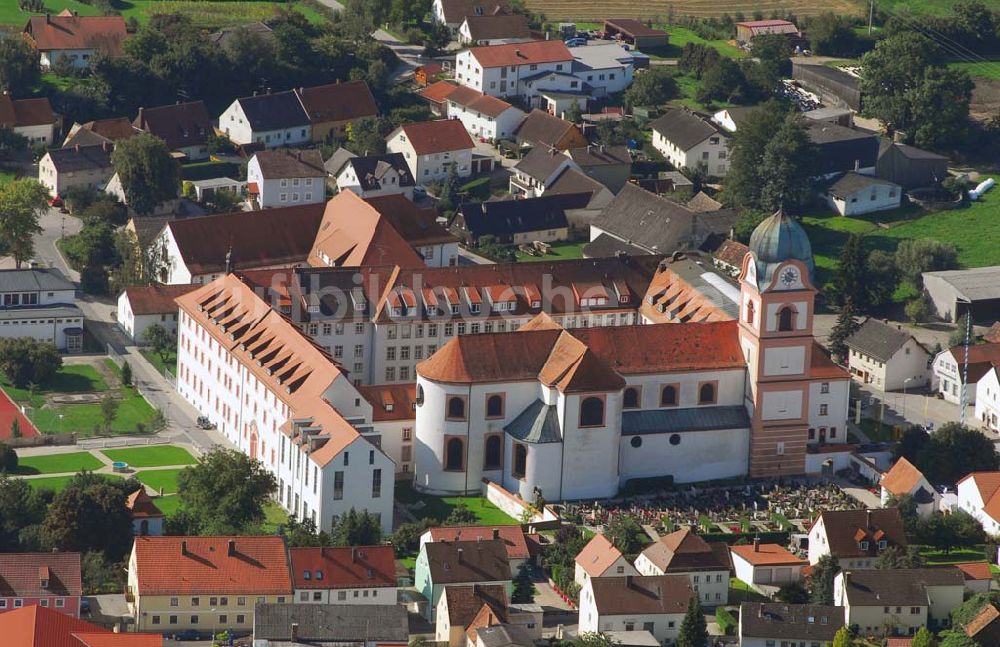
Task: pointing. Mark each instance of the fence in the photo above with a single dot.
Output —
(121, 441)
(42, 440)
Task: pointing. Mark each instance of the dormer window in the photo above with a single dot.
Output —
(536, 304)
(882, 544)
(45, 584)
(623, 298)
(319, 575)
(863, 545)
(454, 308)
(306, 575)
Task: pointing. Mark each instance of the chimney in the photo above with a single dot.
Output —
(496, 533)
(301, 90)
(295, 632)
(459, 551)
(231, 549)
(184, 547)
(139, 117)
(756, 544)
(229, 260)
(77, 148)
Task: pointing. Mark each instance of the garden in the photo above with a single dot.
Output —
(422, 506)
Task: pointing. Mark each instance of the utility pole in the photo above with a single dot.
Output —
(965, 365)
(871, 15)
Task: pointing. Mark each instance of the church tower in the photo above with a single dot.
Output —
(776, 334)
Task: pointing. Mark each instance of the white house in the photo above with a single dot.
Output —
(483, 116)
(988, 398)
(394, 409)
(79, 166)
(655, 603)
(682, 552)
(453, 12)
(433, 148)
(444, 564)
(898, 601)
(977, 495)
(506, 70)
(854, 194)
(887, 357)
(283, 401)
(772, 565)
(372, 176)
(602, 68)
(690, 140)
(32, 119)
(538, 170)
(494, 29)
(904, 479)
(141, 306)
(272, 120)
(856, 537)
(74, 38)
(766, 624)
(283, 178)
(600, 558)
(41, 304)
(949, 370)
(459, 611)
(344, 575)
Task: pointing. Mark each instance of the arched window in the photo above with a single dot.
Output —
(668, 396)
(520, 460)
(750, 311)
(630, 400)
(494, 406)
(456, 408)
(454, 454)
(785, 319)
(493, 458)
(592, 412)
(420, 396)
(706, 393)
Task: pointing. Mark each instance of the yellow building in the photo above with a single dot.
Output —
(207, 584)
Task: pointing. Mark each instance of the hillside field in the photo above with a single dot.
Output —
(661, 10)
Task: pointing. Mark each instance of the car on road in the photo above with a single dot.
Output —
(576, 42)
(187, 634)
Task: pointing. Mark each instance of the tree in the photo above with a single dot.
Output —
(593, 639)
(821, 580)
(792, 593)
(626, 533)
(882, 277)
(19, 68)
(406, 538)
(971, 608)
(90, 515)
(653, 87)
(774, 52)
(914, 257)
(226, 492)
(924, 638)
(842, 330)
(460, 515)
(8, 458)
(945, 532)
(161, 341)
(895, 557)
(22, 203)
(109, 411)
(357, 529)
(842, 638)
(224, 201)
(22, 510)
(127, 374)
(832, 35)
(449, 198)
(365, 137)
(917, 309)
(300, 534)
(27, 361)
(907, 510)
(940, 106)
(524, 589)
(15, 428)
(891, 71)
(852, 273)
(746, 222)
(696, 59)
(694, 631)
(724, 81)
(954, 450)
(149, 175)
(574, 113)
(956, 638)
(99, 575)
(962, 329)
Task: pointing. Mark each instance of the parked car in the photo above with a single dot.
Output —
(187, 634)
(576, 42)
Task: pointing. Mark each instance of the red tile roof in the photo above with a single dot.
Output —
(19, 113)
(477, 101)
(35, 626)
(846, 528)
(20, 575)
(824, 367)
(530, 53)
(338, 102)
(598, 556)
(8, 413)
(77, 32)
(156, 299)
(206, 565)
(767, 555)
(343, 568)
(512, 536)
(901, 478)
(391, 401)
(142, 506)
(976, 570)
(439, 136)
(438, 91)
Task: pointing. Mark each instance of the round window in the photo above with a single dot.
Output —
(675, 439)
(636, 441)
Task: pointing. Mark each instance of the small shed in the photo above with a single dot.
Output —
(205, 189)
(636, 32)
(854, 194)
(745, 31)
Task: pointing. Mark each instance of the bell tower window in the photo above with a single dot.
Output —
(750, 312)
(785, 319)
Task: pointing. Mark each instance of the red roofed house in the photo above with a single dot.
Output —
(746, 31)
(978, 576)
(45, 579)
(140, 306)
(347, 575)
(766, 564)
(904, 479)
(856, 537)
(32, 119)
(512, 537)
(483, 116)
(78, 38)
(185, 127)
(147, 519)
(979, 495)
(505, 70)
(432, 148)
(37, 626)
(332, 107)
(600, 558)
(394, 411)
(205, 583)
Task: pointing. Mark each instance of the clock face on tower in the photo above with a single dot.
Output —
(789, 277)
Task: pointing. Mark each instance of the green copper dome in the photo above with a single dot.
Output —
(777, 239)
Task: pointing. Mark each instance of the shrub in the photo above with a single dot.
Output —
(725, 620)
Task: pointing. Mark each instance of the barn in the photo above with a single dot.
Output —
(955, 292)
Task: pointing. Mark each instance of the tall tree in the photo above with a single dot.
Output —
(8, 458)
(652, 88)
(842, 330)
(21, 509)
(891, 71)
(22, 203)
(161, 341)
(832, 35)
(357, 529)
(19, 70)
(940, 106)
(842, 638)
(109, 411)
(149, 175)
(852, 273)
(882, 277)
(27, 361)
(694, 631)
(821, 580)
(226, 492)
(90, 515)
(962, 330)
(954, 450)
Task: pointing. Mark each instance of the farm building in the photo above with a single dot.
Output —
(746, 31)
(636, 32)
(909, 166)
(854, 194)
(955, 292)
(834, 86)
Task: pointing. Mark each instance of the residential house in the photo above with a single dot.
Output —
(330, 625)
(887, 357)
(569, 181)
(977, 495)
(600, 558)
(50, 580)
(602, 68)
(443, 564)
(655, 603)
(460, 606)
(185, 127)
(204, 583)
(171, 206)
(955, 379)
(746, 31)
(36, 626)
(537, 170)
(283, 178)
(728, 256)
(856, 537)
(32, 119)
(331, 108)
(766, 624)
(542, 130)
(335, 163)
(394, 409)
(518, 221)
(374, 176)
(141, 306)
(898, 601)
(358, 232)
(454, 12)
(706, 565)
(87, 167)
(507, 70)
(147, 519)
(502, 635)
(77, 38)
(909, 166)
(691, 140)
(494, 29)
(433, 148)
(483, 116)
(853, 194)
(513, 538)
(200, 250)
(770, 565)
(344, 575)
(100, 131)
(842, 150)
(988, 397)
(234, 347)
(978, 576)
(436, 96)
(609, 165)
(904, 479)
(41, 303)
(267, 120)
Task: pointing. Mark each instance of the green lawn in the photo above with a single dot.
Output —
(155, 360)
(168, 505)
(11, 14)
(212, 14)
(956, 556)
(439, 508)
(877, 431)
(679, 37)
(6, 177)
(934, 7)
(152, 456)
(58, 483)
(689, 86)
(559, 252)
(274, 516)
(133, 410)
(160, 479)
(740, 591)
(58, 463)
(75, 378)
(989, 70)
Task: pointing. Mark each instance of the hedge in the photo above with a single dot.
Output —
(725, 620)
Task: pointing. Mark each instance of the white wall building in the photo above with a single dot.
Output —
(433, 148)
(977, 495)
(772, 623)
(887, 357)
(760, 564)
(949, 371)
(904, 479)
(898, 601)
(41, 304)
(344, 575)
(856, 537)
(855, 194)
(656, 604)
(506, 70)
(80, 166)
(682, 552)
(141, 306)
(376, 175)
(284, 178)
(600, 558)
(273, 120)
(988, 399)
(690, 141)
(483, 116)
